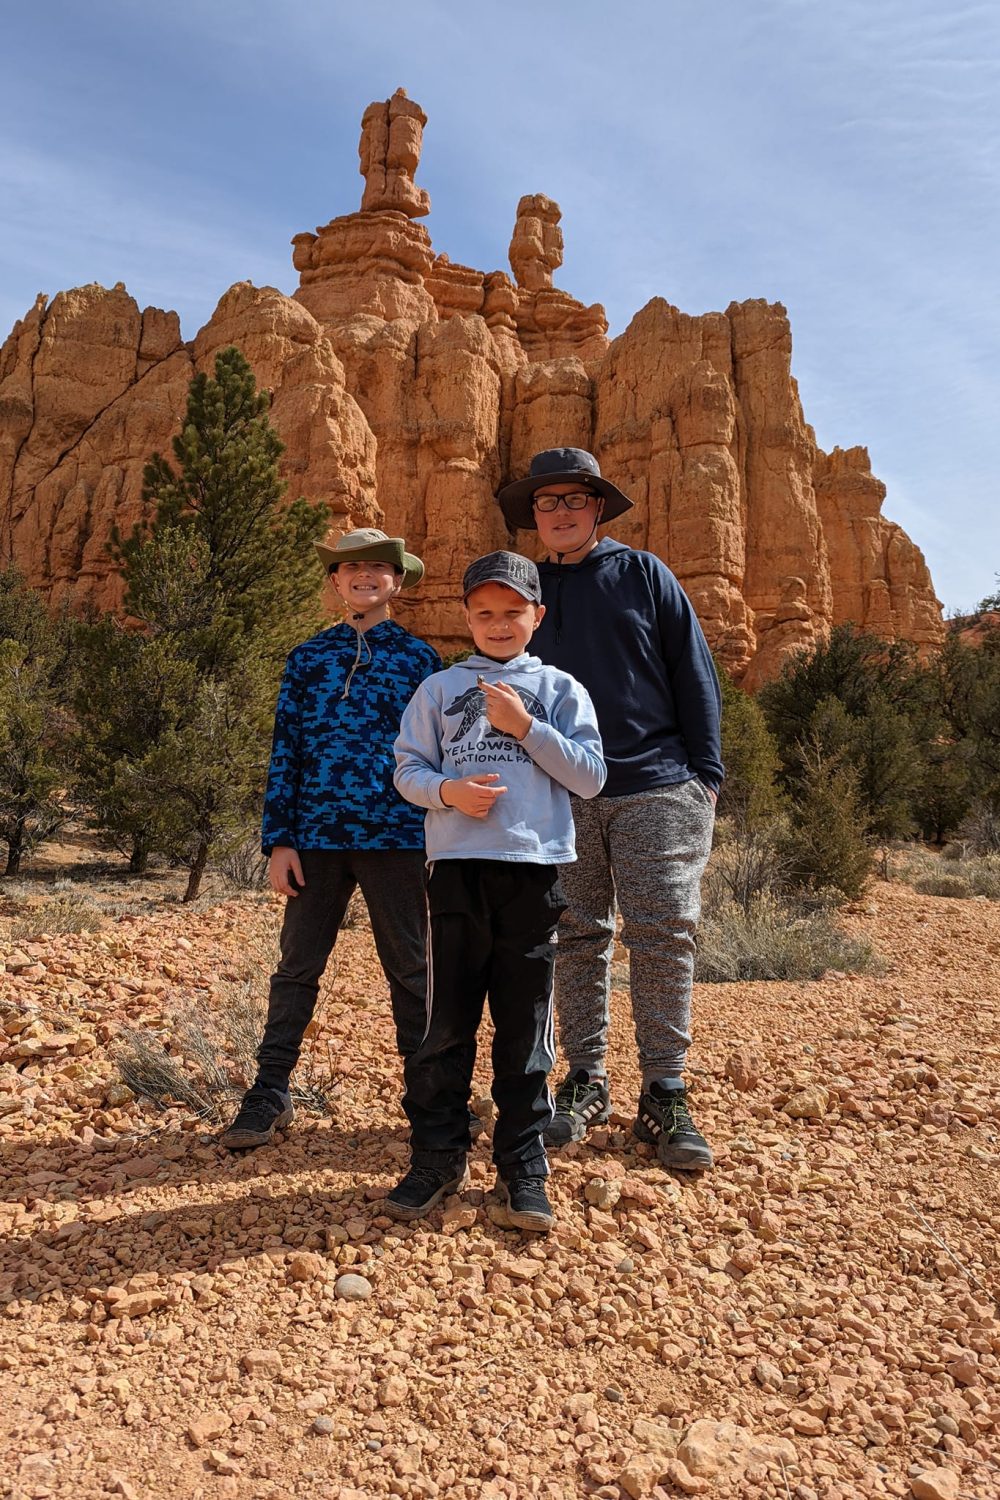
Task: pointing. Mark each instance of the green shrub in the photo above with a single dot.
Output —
(827, 846)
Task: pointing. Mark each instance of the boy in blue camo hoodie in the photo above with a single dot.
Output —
(333, 820)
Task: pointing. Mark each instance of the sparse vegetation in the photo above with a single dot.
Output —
(963, 876)
(35, 681)
(66, 912)
(770, 939)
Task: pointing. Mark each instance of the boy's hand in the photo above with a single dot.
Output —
(283, 867)
(473, 795)
(505, 710)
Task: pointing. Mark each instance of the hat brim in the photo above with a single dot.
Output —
(515, 499)
(390, 551)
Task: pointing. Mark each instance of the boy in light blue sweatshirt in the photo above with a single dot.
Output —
(492, 748)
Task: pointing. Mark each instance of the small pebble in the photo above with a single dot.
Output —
(323, 1425)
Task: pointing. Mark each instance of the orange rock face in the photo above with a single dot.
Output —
(407, 388)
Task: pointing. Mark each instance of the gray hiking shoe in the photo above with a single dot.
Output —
(580, 1103)
(664, 1121)
(262, 1112)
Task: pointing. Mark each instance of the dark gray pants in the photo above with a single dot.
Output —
(393, 883)
(647, 852)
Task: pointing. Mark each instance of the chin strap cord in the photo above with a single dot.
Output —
(357, 656)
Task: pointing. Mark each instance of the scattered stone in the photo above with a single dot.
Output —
(808, 1104)
(744, 1069)
(353, 1288)
(936, 1484)
(212, 1425)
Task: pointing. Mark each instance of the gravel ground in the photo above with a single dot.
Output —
(814, 1318)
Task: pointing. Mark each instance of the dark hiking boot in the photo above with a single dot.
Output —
(665, 1122)
(432, 1175)
(262, 1112)
(476, 1124)
(580, 1103)
(526, 1204)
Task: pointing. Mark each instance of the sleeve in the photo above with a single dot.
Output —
(569, 749)
(281, 793)
(418, 775)
(692, 676)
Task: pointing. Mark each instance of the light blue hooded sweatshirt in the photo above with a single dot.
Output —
(445, 736)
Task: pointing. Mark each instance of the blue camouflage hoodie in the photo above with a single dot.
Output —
(329, 785)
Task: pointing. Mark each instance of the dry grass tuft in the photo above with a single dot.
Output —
(963, 878)
(769, 939)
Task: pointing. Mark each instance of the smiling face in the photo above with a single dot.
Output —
(365, 586)
(501, 621)
(567, 533)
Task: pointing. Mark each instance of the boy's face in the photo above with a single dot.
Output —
(365, 585)
(501, 621)
(564, 530)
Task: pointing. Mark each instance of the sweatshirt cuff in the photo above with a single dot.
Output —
(535, 737)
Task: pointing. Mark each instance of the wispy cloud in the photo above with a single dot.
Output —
(841, 159)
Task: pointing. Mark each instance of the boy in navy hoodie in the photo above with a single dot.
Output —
(333, 819)
(492, 748)
(620, 622)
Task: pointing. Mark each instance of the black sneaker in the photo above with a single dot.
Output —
(580, 1103)
(665, 1122)
(476, 1124)
(432, 1175)
(262, 1112)
(526, 1203)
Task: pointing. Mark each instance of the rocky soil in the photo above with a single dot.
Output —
(815, 1318)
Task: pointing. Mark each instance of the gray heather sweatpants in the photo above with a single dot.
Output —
(650, 850)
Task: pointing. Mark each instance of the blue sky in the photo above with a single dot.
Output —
(842, 159)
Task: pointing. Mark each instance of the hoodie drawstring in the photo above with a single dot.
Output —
(357, 662)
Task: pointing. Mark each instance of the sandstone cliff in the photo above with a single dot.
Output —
(407, 387)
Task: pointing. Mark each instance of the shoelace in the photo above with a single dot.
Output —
(423, 1177)
(258, 1109)
(570, 1092)
(679, 1117)
(526, 1184)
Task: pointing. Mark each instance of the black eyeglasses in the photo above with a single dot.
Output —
(576, 500)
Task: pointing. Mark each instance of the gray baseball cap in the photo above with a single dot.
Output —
(518, 573)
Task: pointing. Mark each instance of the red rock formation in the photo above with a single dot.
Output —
(407, 387)
(880, 579)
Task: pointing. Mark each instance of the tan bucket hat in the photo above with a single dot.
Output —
(371, 545)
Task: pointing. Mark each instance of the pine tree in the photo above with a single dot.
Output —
(749, 793)
(35, 774)
(223, 581)
(828, 848)
(850, 667)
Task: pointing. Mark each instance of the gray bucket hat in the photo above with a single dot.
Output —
(559, 466)
(371, 545)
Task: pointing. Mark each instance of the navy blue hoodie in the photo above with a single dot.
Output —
(622, 625)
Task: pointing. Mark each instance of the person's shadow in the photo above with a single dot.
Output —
(120, 1233)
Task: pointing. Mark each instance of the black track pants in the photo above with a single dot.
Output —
(492, 935)
(393, 883)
